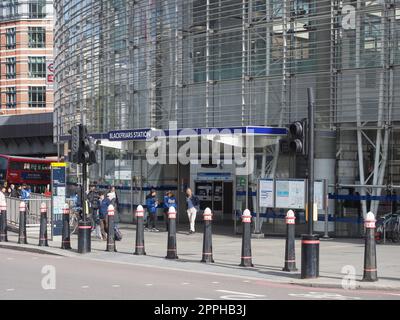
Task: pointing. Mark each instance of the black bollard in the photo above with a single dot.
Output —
(110, 234)
(3, 222)
(246, 260)
(22, 224)
(290, 256)
(171, 248)
(309, 256)
(84, 230)
(370, 266)
(43, 242)
(207, 237)
(66, 238)
(139, 248)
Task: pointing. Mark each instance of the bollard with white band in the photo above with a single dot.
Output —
(43, 241)
(22, 224)
(3, 222)
(66, 238)
(110, 225)
(207, 237)
(171, 247)
(370, 265)
(290, 256)
(139, 247)
(246, 259)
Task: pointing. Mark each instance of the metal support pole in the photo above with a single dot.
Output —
(310, 200)
(310, 242)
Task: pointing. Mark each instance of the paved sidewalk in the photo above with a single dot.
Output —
(268, 257)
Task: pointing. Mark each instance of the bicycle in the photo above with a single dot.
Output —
(74, 218)
(388, 228)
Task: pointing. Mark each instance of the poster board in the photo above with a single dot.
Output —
(58, 187)
(320, 194)
(266, 189)
(290, 193)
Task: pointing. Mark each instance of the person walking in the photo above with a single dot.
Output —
(103, 212)
(151, 204)
(192, 203)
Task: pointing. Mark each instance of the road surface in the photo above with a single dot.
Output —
(37, 276)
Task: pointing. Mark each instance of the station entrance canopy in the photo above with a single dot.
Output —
(234, 136)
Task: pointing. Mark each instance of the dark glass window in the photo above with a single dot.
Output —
(37, 67)
(37, 97)
(37, 37)
(37, 9)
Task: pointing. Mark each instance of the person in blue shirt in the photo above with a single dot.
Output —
(151, 204)
(104, 203)
(25, 194)
(169, 201)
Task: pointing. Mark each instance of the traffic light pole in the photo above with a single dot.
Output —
(310, 242)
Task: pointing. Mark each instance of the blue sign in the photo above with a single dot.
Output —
(129, 135)
(58, 187)
(147, 134)
(34, 176)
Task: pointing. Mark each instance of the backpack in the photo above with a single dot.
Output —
(117, 234)
(196, 201)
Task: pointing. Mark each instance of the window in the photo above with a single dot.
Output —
(37, 67)
(10, 38)
(11, 68)
(37, 97)
(12, 8)
(37, 9)
(11, 97)
(37, 37)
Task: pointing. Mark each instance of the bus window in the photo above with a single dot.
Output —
(3, 169)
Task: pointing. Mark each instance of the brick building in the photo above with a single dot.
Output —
(26, 55)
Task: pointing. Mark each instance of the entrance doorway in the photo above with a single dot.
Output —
(216, 195)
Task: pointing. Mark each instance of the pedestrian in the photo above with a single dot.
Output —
(192, 208)
(25, 195)
(165, 206)
(94, 205)
(112, 196)
(2, 194)
(103, 212)
(47, 192)
(14, 192)
(151, 204)
(19, 192)
(170, 202)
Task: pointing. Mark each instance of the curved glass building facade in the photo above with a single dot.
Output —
(124, 64)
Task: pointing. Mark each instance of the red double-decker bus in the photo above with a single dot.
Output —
(34, 172)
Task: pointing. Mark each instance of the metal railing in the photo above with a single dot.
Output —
(32, 210)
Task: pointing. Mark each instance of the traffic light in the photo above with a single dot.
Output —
(76, 136)
(298, 137)
(88, 148)
(83, 146)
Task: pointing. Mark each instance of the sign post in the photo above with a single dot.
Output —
(58, 198)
